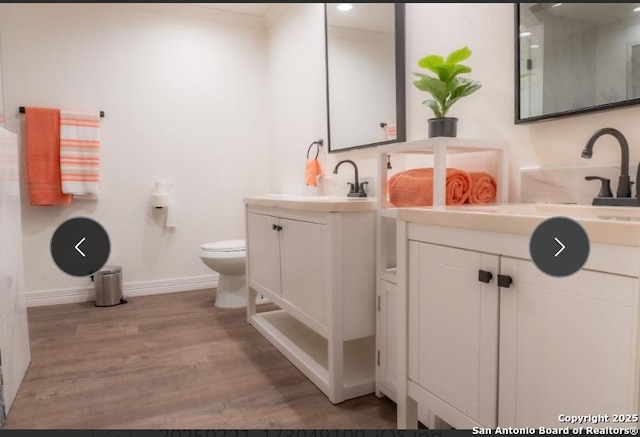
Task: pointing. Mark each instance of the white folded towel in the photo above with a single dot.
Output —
(80, 153)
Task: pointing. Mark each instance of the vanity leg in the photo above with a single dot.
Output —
(251, 303)
(407, 413)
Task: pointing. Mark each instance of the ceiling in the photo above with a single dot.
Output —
(374, 17)
(254, 9)
(593, 12)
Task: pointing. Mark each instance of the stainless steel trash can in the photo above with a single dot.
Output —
(108, 286)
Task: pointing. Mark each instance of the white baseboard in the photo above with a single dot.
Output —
(59, 296)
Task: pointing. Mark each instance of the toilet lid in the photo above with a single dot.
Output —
(224, 246)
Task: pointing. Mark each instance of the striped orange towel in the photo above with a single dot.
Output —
(390, 133)
(79, 153)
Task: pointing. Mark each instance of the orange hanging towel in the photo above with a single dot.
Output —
(43, 157)
(312, 171)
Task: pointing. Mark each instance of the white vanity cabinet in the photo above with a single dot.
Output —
(316, 261)
(429, 152)
(287, 260)
(490, 340)
(387, 339)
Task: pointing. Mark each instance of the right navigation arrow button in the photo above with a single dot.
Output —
(545, 246)
(561, 247)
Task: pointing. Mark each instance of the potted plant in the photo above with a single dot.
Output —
(446, 88)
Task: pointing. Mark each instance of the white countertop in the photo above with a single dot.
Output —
(603, 224)
(314, 203)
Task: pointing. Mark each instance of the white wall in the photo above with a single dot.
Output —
(297, 92)
(184, 92)
(488, 29)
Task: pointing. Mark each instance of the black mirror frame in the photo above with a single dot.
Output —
(401, 117)
(555, 115)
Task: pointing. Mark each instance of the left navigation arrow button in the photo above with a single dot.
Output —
(78, 249)
(80, 246)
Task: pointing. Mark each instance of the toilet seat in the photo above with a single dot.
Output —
(226, 246)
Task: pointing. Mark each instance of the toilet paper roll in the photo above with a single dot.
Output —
(159, 200)
(171, 214)
(162, 187)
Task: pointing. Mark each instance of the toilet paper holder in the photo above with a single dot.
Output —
(160, 196)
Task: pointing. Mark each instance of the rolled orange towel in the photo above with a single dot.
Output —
(415, 187)
(312, 171)
(483, 188)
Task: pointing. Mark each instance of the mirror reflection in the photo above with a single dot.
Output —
(361, 75)
(576, 57)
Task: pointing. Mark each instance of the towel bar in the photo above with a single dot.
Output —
(318, 144)
(21, 110)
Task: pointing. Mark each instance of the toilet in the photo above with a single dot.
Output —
(228, 258)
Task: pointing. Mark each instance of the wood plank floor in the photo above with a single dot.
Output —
(171, 361)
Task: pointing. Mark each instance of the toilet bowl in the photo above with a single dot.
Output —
(228, 258)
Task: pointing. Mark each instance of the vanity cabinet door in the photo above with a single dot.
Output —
(453, 328)
(387, 354)
(566, 346)
(303, 274)
(264, 253)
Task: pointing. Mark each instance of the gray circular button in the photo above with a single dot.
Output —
(559, 246)
(80, 246)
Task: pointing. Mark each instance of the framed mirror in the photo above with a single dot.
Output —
(574, 58)
(365, 74)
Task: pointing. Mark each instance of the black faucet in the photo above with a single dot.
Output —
(623, 193)
(357, 189)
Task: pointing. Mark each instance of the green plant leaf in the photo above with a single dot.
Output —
(448, 87)
(433, 86)
(470, 87)
(451, 71)
(458, 55)
(463, 88)
(457, 69)
(431, 62)
(435, 107)
(443, 72)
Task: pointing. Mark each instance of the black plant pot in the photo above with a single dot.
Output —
(443, 127)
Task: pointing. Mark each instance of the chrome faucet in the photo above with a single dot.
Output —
(623, 193)
(357, 188)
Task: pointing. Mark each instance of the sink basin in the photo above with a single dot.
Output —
(604, 224)
(301, 198)
(566, 210)
(313, 203)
